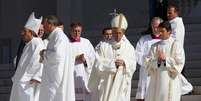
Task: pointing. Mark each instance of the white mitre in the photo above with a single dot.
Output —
(33, 23)
(119, 21)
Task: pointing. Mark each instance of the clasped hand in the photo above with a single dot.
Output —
(80, 58)
(119, 62)
(161, 55)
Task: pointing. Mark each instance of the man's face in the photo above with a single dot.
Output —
(107, 35)
(47, 26)
(41, 31)
(154, 26)
(171, 13)
(26, 35)
(117, 34)
(164, 34)
(76, 32)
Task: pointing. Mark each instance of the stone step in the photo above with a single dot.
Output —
(192, 64)
(191, 20)
(189, 34)
(193, 73)
(191, 98)
(5, 82)
(193, 56)
(192, 41)
(4, 97)
(194, 81)
(5, 90)
(183, 98)
(192, 48)
(6, 74)
(192, 27)
(197, 90)
(193, 34)
(6, 67)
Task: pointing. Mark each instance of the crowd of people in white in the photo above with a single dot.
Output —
(66, 67)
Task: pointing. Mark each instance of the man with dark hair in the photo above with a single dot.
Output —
(164, 63)
(84, 60)
(178, 32)
(57, 80)
(106, 36)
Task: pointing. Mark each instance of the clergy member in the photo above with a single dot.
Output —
(57, 79)
(114, 65)
(164, 63)
(27, 77)
(178, 32)
(84, 60)
(106, 35)
(142, 50)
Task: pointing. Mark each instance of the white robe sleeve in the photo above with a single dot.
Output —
(38, 75)
(35, 66)
(90, 58)
(55, 57)
(130, 62)
(103, 63)
(94, 78)
(56, 50)
(140, 53)
(175, 63)
(178, 31)
(106, 65)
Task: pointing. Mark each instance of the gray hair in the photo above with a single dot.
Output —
(51, 19)
(157, 18)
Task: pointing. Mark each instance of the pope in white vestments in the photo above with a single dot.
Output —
(57, 79)
(114, 66)
(164, 63)
(27, 78)
(84, 59)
